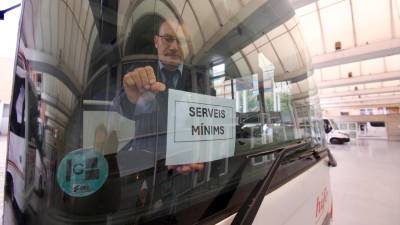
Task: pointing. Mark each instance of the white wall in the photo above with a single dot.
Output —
(6, 74)
(392, 123)
(393, 127)
(1, 117)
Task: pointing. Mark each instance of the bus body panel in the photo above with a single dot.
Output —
(306, 198)
(376, 129)
(16, 157)
(311, 205)
(16, 168)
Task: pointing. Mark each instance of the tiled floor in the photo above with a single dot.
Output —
(365, 184)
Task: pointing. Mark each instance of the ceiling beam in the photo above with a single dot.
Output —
(300, 3)
(202, 35)
(376, 100)
(360, 53)
(57, 104)
(360, 92)
(364, 118)
(359, 99)
(381, 102)
(43, 62)
(251, 22)
(353, 25)
(58, 74)
(304, 95)
(55, 120)
(364, 79)
(321, 28)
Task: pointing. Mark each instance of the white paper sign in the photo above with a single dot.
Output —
(201, 128)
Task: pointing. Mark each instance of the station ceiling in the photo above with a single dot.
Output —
(365, 71)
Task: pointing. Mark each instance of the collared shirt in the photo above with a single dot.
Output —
(176, 78)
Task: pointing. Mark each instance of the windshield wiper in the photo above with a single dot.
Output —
(248, 211)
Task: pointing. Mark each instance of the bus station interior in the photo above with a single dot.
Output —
(336, 60)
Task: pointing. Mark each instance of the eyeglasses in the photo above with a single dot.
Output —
(171, 39)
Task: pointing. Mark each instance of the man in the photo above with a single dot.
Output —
(145, 96)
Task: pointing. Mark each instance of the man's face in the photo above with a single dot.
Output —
(168, 45)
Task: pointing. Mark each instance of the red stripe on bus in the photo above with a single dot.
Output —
(11, 163)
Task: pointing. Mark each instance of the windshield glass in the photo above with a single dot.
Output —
(140, 112)
(333, 124)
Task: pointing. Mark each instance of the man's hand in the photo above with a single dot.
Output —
(187, 168)
(139, 81)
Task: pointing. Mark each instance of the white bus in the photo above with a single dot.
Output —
(25, 173)
(372, 129)
(333, 134)
(95, 138)
(20, 161)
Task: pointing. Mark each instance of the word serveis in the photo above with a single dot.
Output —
(203, 129)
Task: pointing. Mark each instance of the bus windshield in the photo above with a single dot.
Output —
(334, 124)
(141, 112)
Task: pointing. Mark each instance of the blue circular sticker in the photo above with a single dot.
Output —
(82, 172)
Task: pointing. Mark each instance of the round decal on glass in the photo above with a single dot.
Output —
(82, 172)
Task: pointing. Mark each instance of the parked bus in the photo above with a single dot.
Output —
(165, 112)
(333, 134)
(372, 129)
(25, 170)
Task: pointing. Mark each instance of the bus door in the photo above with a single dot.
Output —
(362, 129)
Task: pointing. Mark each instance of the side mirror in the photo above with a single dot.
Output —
(332, 161)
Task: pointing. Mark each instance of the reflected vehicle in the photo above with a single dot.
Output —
(165, 112)
(251, 125)
(333, 134)
(255, 124)
(25, 173)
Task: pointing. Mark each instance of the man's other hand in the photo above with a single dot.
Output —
(139, 81)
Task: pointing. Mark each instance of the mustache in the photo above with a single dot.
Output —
(174, 53)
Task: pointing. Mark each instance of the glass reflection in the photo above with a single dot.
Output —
(92, 81)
